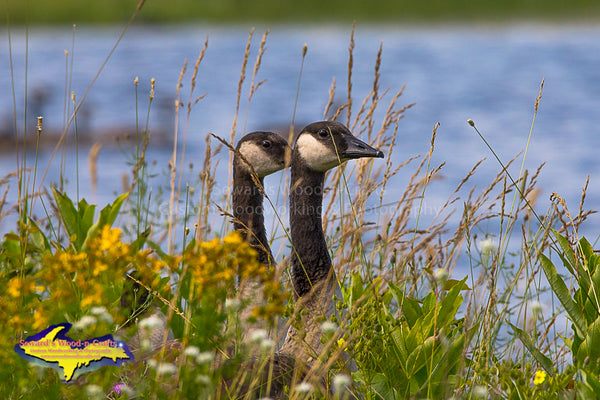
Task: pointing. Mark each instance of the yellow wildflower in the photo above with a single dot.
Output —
(18, 286)
(14, 287)
(40, 320)
(539, 378)
(99, 268)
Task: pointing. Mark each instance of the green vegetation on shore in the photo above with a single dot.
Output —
(218, 11)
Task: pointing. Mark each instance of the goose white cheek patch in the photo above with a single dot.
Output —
(316, 155)
(258, 158)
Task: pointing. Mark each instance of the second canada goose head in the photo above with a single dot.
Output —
(260, 153)
(263, 152)
(326, 144)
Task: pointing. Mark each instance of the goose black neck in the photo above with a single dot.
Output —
(249, 220)
(311, 262)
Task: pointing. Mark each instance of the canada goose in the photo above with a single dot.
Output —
(262, 153)
(319, 147)
(257, 155)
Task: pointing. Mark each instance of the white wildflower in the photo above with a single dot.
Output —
(267, 344)
(303, 387)
(536, 309)
(258, 335)
(150, 323)
(328, 327)
(191, 351)
(487, 245)
(102, 314)
(94, 392)
(205, 357)
(98, 310)
(84, 322)
(340, 383)
(440, 275)
(166, 369)
(203, 380)
(232, 305)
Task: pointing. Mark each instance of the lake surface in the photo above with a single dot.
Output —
(489, 74)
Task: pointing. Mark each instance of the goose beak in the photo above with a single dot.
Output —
(359, 149)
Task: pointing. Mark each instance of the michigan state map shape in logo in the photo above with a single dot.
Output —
(54, 349)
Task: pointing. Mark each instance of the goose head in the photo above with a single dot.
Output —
(262, 151)
(327, 144)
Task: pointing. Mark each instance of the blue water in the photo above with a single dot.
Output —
(490, 74)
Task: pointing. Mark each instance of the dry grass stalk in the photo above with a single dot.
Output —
(330, 99)
(171, 219)
(350, 65)
(93, 164)
(237, 109)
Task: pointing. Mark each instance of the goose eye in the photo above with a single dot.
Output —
(266, 144)
(323, 133)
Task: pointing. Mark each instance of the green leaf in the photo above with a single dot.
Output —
(544, 361)
(66, 210)
(567, 251)
(86, 219)
(107, 216)
(592, 382)
(450, 304)
(450, 283)
(140, 241)
(357, 291)
(157, 249)
(383, 387)
(411, 309)
(590, 347)
(563, 294)
(37, 237)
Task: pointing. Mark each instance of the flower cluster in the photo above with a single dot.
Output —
(71, 284)
(214, 266)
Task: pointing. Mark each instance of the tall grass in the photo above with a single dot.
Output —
(410, 323)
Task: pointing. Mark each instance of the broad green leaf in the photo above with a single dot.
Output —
(592, 381)
(449, 305)
(138, 243)
(398, 340)
(86, 220)
(563, 294)
(157, 249)
(450, 283)
(357, 288)
(383, 387)
(68, 213)
(590, 347)
(411, 309)
(107, 216)
(37, 236)
(544, 361)
(587, 251)
(446, 365)
(567, 250)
